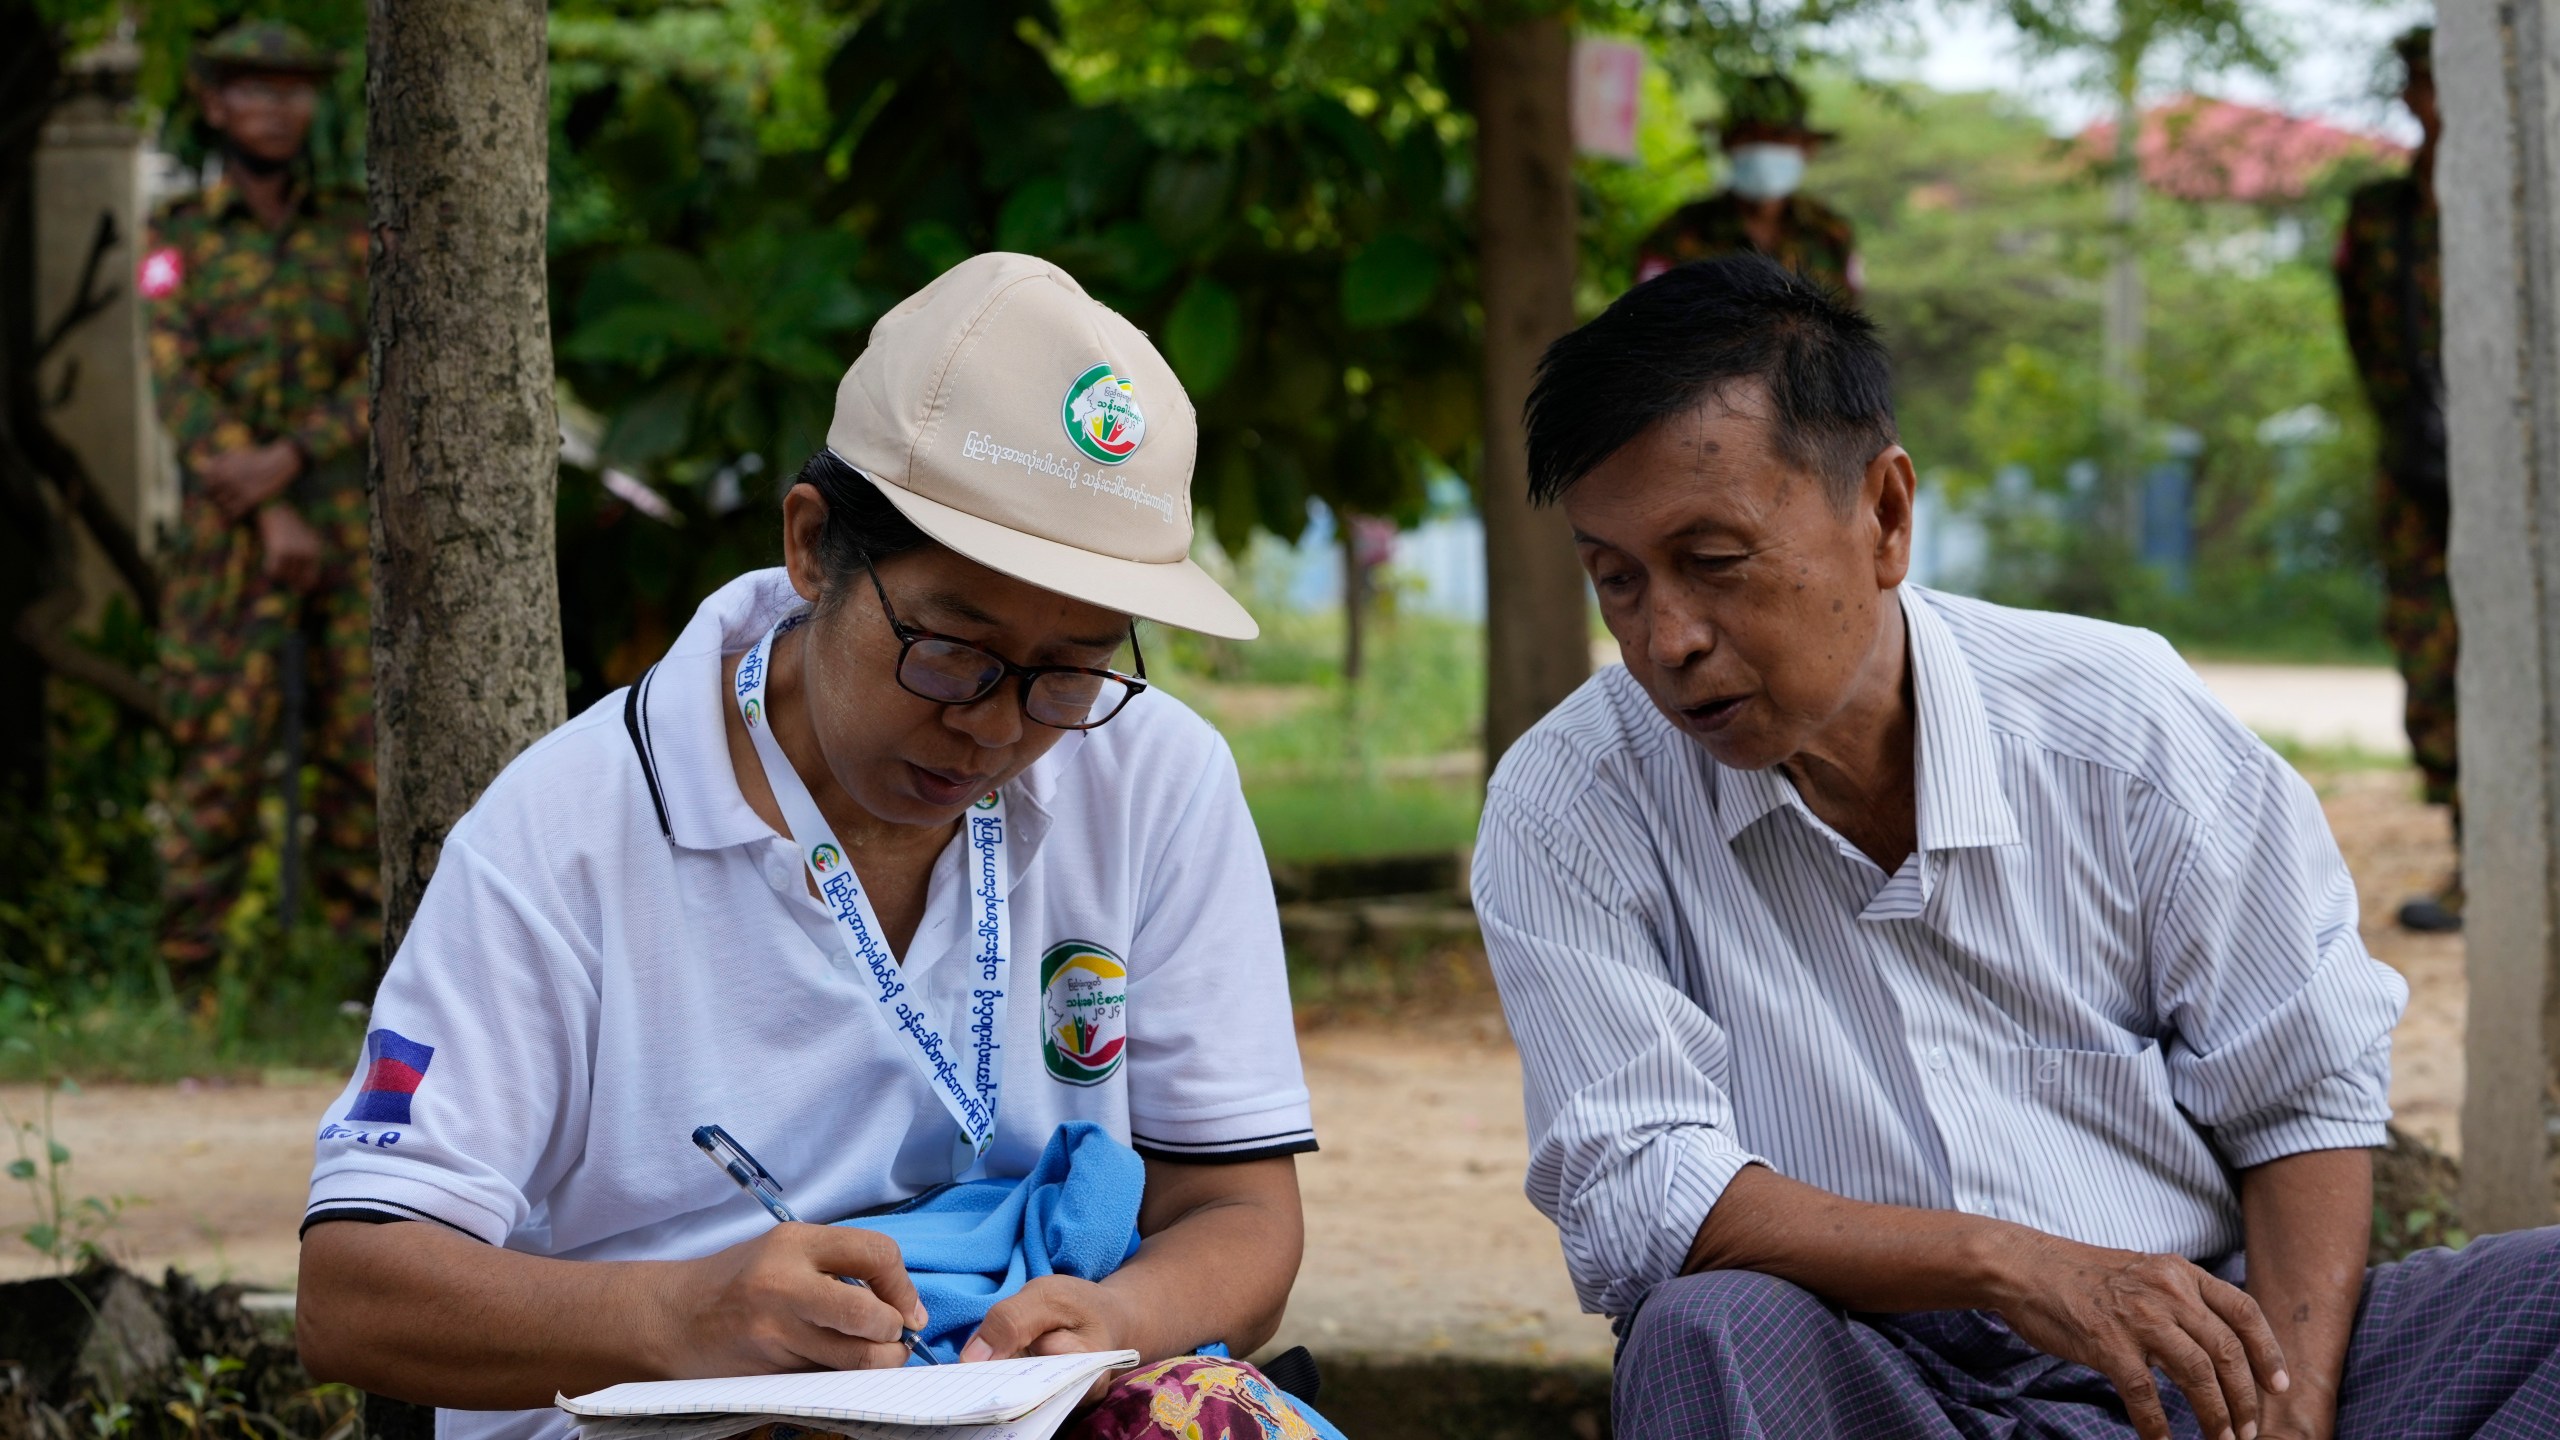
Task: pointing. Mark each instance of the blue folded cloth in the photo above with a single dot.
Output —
(971, 1244)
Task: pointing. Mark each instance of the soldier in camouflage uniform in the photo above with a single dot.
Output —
(256, 288)
(1767, 144)
(2392, 294)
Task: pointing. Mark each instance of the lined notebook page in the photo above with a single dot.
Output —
(1040, 1424)
(980, 1394)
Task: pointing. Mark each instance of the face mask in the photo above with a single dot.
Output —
(1766, 172)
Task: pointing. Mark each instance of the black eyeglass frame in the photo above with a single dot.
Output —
(910, 636)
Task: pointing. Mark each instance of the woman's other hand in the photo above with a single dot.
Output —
(1053, 1315)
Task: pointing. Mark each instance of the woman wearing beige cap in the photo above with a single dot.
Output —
(897, 871)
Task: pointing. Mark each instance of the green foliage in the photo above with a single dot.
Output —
(1985, 242)
(82, 990)
(67, 1231)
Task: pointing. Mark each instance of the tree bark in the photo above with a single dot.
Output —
(1537, 632)
(2498, 181)
(466, 621)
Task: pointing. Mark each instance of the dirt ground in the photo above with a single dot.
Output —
(1419, 1242)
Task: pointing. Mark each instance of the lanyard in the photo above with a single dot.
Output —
(969, 1096)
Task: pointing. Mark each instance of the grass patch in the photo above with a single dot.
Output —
(1335, 819)
(289, 1014)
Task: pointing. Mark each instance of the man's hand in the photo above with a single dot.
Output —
(2121, 1313)
(292, 547)
(239, 481)
(775, 1303)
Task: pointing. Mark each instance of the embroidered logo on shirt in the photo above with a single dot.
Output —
(1084, 1003)
(1102, 416)
(394, 1066)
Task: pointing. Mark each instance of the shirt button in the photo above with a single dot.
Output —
(1938, 1057)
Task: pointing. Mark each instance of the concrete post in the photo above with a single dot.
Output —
(2498, 73)
(98, 383)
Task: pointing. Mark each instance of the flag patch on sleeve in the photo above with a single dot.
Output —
(394, 1065)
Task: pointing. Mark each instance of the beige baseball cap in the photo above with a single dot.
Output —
(1029, 427)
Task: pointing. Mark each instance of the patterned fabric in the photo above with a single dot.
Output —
(2122, 962)
(2387, 256)
(258, 335)
(1191, 1398)
(2418, 623)
(2446, 1345)
(1814, 240)
(223, 626)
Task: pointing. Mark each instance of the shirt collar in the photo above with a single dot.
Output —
(223, 196)
(1958, 780)
(1962, 804)
(684, 731)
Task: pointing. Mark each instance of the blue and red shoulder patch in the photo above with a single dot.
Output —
(394, 1065)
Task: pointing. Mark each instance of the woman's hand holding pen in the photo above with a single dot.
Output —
(779, 1302)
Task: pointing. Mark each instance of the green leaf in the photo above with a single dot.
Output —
(1203, 335)
(1186, 197)
(22, 1168)
(1034, 217)
(936, 244)
(654, 425)
(57, 1152)
(42, 1237)
(1391, 279)
(644, 335)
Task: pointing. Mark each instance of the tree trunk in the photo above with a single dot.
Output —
(1537, 632)
(466, 620)
(33, 544)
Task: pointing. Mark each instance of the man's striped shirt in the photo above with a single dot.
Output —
(2122, 963)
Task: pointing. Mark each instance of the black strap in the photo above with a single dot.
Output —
(635, 719)
(1294, 1370)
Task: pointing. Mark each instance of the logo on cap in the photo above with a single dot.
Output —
(1102, 416)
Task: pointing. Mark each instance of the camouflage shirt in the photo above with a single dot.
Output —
(1813, 240)
(2387, 269)
(258, 334)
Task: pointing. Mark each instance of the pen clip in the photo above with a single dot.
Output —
(746, 1169)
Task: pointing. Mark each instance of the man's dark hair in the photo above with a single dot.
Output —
(1689, 335)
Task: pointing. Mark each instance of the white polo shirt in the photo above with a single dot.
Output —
(616, 949)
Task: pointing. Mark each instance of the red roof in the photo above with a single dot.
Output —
(2202, 149)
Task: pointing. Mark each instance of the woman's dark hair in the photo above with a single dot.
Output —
(862, 526)
(1686, 335)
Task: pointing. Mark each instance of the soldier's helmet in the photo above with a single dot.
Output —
(1771, 105)
(262, 47)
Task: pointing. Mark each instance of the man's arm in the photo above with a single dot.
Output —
(2118, 1312)
(423, 1313)
(1221, 1251)
(2309, 1217)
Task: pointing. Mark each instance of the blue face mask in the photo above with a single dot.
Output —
(1766, 171)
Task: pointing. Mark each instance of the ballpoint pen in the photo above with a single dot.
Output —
(752, 1177)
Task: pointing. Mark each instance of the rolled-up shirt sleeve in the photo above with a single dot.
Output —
(1631, 1138)
(2281, 1022)
(483, 1025)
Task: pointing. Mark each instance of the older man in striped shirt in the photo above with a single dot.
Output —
(1939, 1019)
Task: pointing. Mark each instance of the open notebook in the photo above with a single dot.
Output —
(1025, 1399)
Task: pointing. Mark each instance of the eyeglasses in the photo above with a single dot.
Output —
(955, 672)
